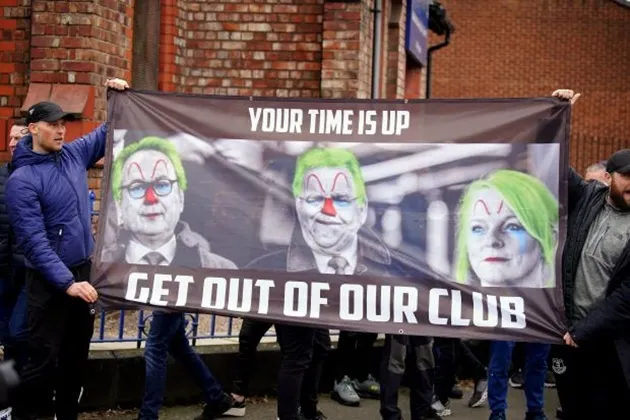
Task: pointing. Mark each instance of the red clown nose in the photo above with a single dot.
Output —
(150, 197)
(329, 208)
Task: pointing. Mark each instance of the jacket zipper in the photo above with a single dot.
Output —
(59, 235)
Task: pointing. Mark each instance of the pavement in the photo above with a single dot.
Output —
(265, 409)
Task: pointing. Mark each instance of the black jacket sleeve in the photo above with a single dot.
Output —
(577, 188)
(609, 318)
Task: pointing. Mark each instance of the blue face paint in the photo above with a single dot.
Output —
(520, 234)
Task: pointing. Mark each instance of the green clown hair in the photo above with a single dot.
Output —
(531, 201)
(329, 158)
(147, 143)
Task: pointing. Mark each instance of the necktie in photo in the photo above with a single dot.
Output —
(154, 258)
(338, 264)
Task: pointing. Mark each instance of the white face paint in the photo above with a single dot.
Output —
(151, 201)
(500, 251)
(329, 213)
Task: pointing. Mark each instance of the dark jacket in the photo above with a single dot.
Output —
(5, 227)
(11, 257)
(193, 250)
(48, 204)
(610, 319)
(374, 258)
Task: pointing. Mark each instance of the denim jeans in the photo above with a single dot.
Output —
(168, 335)
(17, 341)
(535, 372)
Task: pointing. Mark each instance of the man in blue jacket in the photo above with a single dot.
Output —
(47, 201)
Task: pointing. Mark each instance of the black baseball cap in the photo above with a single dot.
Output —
(46, 111)
(619, 162)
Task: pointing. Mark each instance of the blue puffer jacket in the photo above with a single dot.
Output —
(48, 204)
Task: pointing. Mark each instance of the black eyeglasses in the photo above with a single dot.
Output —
(161, 187)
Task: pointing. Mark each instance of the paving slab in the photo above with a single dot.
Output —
(265, 409)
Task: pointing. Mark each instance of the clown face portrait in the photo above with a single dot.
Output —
(149, 193)
(329, 199)
(507, 235)
(152, 202)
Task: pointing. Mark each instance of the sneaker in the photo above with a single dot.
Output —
(431, 415)
(318, 416)
(539, 415)
(516, 380)
(480, 394)
(237, 409)
(343, 392)
(217, 408)
(368, 388)
(442, 409)
(497, 415)
(457, 393)
(559, 413)
(550, 380)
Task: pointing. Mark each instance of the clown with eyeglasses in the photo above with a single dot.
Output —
(148, 183)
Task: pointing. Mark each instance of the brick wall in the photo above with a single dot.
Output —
(269, 48)
(396, 61)
(14, 58)
(516, 48)
(81, 42)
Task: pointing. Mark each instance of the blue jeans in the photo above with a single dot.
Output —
(13, 328)
(168, 335)
(535, 372)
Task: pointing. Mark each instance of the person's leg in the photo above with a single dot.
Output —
(607, 389)
(47, 321)
(312, 377)
(363, 355)
(249, 337)
(421, 379)
(392, 372)
(73, 357)
(479, 370)
(500, 355)
(535, 372)
(572, 381)
(479, 374)
(162, 330)
(517, 364)
(363, 381)
(343, 391)
(444, 368)
(296, 348)
(18, 331)
(182, 352)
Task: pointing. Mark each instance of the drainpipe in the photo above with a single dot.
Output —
(376, 47)
(430, 52)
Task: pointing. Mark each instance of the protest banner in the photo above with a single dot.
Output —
(437, 218)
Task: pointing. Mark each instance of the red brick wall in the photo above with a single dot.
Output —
(14, 58)
(529, 48)
(342, 62)
(396, 58)
(268, 48)
(81, 42)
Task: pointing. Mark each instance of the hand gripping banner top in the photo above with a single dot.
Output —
(427, 217)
